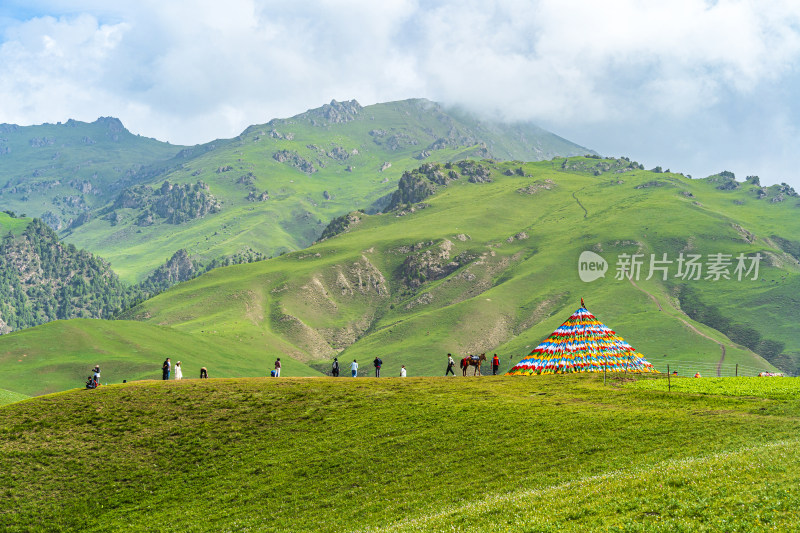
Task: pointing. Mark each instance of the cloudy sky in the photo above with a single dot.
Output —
(694, 86)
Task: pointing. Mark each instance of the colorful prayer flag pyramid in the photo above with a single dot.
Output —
(582, 344)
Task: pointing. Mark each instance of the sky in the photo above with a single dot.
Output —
(694, 86)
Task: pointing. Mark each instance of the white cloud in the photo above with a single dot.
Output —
(192, 71)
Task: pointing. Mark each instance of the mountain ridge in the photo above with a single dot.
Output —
(298, 174)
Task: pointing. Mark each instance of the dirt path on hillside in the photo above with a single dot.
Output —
(688, 325)
(585, 212)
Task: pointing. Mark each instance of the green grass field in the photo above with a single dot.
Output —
(548, 453)
(6, 397)
(61, 354)
(12, 225)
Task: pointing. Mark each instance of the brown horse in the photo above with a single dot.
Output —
(476, 363)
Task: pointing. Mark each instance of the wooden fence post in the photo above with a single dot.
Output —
(737, 370)
(669, 383)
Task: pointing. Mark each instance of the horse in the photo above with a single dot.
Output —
(476, 363)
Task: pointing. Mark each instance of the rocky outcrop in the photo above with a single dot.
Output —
(476, 172)
(295, 160)
(333, 113)
(339, 153)
(418, 184)
(248, 180)
(432, 264)
(341, 224)
(256, 197)
(179, 267)
(174, 203)
(536, 186)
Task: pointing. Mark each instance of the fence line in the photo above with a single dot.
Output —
(709, 369)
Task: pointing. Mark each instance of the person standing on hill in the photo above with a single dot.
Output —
(278, 367)
(464, 365)
(403, 371)
(203, 373)
(178, 371)
(450, 365)
(335, 367)
(354, 368)
(96, 374)
(165, 368)
(377, 364)
(495, 364)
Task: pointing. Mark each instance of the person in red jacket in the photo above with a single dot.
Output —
(495, 364)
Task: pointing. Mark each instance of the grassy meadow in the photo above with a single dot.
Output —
(6, 397)
(55, 357)
(549, 453)
(13, 225)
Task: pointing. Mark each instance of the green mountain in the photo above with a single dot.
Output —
(485, 258)
(62, 172)
(272, 189)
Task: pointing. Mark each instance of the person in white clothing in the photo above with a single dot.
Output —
(178, 371)
(403, 371)
(354, 368)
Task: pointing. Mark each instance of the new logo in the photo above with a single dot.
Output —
(591, 266)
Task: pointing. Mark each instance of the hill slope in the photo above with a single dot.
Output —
(59, 355)
(6, 397)
(489, 263)
(494, 266)
(420, 454)
(276, 186)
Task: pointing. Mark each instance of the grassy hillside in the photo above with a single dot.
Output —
(14, 225)
(416, 454)
(515, 276)
(60, 355)
(493, 267)
(6, 397)
(279, 184)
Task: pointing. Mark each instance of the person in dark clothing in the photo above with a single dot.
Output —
(377, 364)
(450, 365)
(91, 383)
(203, 373)
(335, 367)
(165, 368)
(495, 364)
